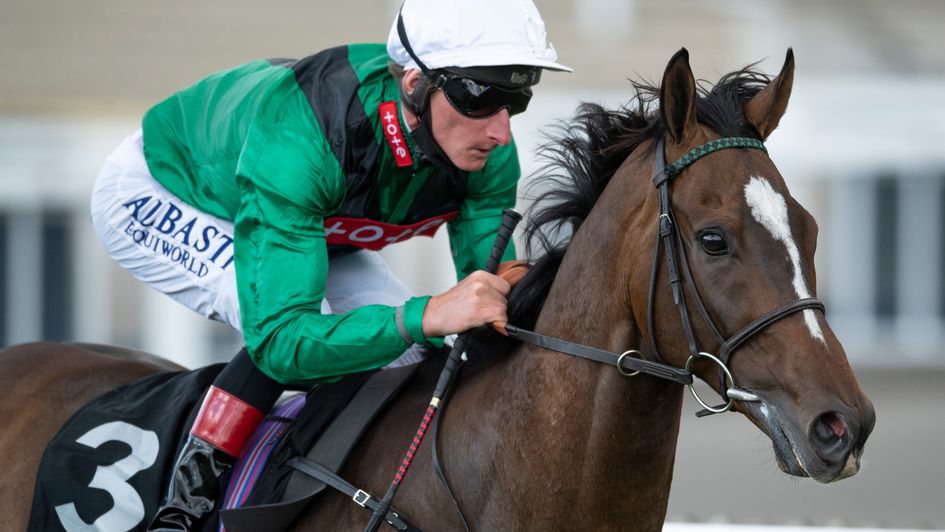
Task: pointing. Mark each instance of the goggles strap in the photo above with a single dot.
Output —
(402, 33)
(418, 102)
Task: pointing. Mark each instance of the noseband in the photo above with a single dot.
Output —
(669, 241)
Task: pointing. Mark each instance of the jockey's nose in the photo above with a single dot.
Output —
(499, 127)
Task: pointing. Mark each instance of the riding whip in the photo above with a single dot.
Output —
(510, 219)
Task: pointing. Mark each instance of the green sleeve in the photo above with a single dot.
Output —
(489, 192)
(288, 183)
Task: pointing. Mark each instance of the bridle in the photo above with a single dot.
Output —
(630, 363)
(669, 242)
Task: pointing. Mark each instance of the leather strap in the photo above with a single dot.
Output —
(733, 343)
(437, 466)
(363, 498)
(668, 233)
(333, 447)
(626, 363)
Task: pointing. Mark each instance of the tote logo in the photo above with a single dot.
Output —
(372, 235)
(395, 137)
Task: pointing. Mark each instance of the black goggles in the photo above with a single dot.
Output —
(477, 99)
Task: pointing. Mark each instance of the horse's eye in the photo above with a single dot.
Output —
(714, 243)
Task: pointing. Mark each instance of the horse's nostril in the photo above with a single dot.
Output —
(836, 424)
(831, 436)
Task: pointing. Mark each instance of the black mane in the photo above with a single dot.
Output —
(582, 155)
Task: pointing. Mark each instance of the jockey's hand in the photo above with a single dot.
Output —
(477, 300)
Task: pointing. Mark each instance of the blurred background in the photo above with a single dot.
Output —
(862, 147)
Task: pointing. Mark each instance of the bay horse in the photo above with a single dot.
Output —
(533, 439)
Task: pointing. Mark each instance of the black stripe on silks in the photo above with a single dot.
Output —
(330, 85)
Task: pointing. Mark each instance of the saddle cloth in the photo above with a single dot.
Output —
(108, 466)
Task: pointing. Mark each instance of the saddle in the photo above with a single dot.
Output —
(314, 449)
(108, 465)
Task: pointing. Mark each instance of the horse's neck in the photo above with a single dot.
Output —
(590, 447)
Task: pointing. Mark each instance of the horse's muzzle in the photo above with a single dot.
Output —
(828, 451)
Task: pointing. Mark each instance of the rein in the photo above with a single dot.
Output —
(669, 242)
(626, 364)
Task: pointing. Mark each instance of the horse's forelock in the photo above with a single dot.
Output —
(721, 106)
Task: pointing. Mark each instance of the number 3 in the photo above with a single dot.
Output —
(128, 510)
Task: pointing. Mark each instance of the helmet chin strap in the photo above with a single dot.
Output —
(422, 135)
(418, 102)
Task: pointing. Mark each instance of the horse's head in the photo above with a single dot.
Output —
(750, 249)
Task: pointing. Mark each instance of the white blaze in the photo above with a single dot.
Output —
(770, 210)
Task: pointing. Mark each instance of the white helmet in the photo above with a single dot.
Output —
(472, 33)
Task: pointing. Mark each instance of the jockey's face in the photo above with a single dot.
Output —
(466, 141)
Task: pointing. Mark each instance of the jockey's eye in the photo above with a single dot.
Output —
(713, 242)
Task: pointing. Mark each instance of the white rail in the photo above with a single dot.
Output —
(702, 527)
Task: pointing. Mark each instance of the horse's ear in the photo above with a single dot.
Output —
(678, 98)
(765, 110)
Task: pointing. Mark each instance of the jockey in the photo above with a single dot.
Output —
(259, 197)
